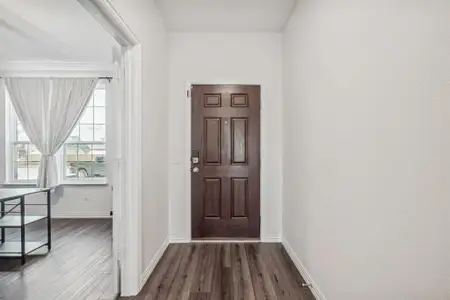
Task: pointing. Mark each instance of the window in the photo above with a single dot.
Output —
(84, 150)
(81, 158)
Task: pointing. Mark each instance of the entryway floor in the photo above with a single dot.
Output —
(225, 271)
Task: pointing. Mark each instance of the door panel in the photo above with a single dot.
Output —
(226, 137)
(239, 140)
(239, 193)
(213, 141)
(213, 197)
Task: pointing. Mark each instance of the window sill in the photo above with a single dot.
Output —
(93, 182)
(17, 184)
(98, 182)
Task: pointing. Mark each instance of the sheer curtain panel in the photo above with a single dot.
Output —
(48, 109)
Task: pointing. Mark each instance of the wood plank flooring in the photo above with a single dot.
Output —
(77, 268)
(225, 271)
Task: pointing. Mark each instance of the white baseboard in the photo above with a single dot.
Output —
(152, 265)
(271, 239)
(264, 240)
(301, 268)
(81, 215)
(230, 241)
(179, 241)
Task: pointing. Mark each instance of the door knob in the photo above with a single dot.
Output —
(195, 170)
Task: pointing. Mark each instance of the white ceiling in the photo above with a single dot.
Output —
(225, 15)
(51, 30)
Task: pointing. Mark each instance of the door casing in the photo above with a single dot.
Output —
(187, 156)
(127, 197)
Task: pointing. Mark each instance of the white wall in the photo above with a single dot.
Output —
(145, 21)
(2, 132)
(367, 147)
(253, 58)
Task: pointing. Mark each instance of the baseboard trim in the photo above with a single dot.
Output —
(152, 265)
(218, 241)
(301, 268)
(272, 239)
(83, 215)
(225, 241)
(179, 241)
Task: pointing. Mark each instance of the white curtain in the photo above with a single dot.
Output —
(48, 109)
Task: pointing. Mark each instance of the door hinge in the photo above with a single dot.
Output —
(188, 92)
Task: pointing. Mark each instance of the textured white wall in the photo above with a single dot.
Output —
(366, 125)
(2, 132)
(145, 21)
(225, 58)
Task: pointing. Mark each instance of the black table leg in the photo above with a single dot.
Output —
(49, 221)
(2, 208)
(22, 228)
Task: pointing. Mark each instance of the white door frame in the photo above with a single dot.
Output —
(131, 198)
(127, 195)
(263, 237)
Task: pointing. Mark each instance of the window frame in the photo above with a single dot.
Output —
(89, 180)
(11, 140)
(65, 162)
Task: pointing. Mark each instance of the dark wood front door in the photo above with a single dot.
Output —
(226, 177)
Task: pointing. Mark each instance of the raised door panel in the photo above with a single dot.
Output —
(212, 198)
(239, 194)
(239, 100)
(212, 100)
(239, 140)
(213, 141)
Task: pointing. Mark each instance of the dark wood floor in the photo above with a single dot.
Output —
(225, 271)
(77, 268)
